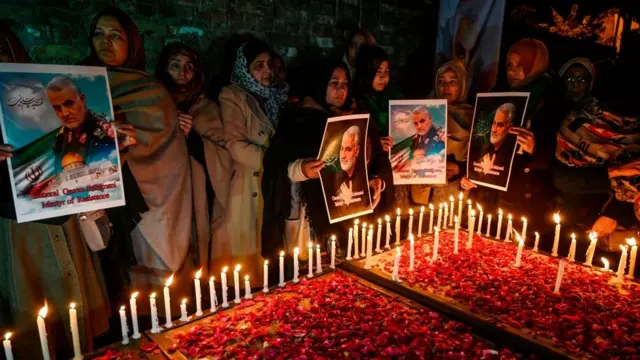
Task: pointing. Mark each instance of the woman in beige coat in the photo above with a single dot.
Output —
(250, 107)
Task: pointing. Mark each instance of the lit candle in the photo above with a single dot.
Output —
(196, 283)
(333, 249)
(472, 221)
(499, 224)
(451, 210)
(535, 244)
(520, 248)
(439, 216)
(622, 265)
(8, 353)
(572, 249)
(388, 238)
(634, 252)
(281, 283)
(363, 251)
(524, 228)
(396, 265)
(75, 336)
(431, 218)
(469, 208)
(456, 235)
(236, 283)
(247, 288)
(212, 294)
(167, 302)
(183, 311)
(556, 239)
(123, 325)
(556, 290)
(155, 323)
(133, 306)
(606, 264)
(591, 250)
(460, 196)
(370, 244)
(398, 227)
(446, 215)
(509, 228)
(488, 225)
(296, 265)
(480, 219)
(356, 228)
(310, 274)
(349, 244)
(436, 242)
(420, 221)
(379, 235)
(265, 277)
(318, 260)
(410, 222)
(42, 331)
(412, 252)
(225, 288)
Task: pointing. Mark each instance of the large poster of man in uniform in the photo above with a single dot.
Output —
(344, 178)
(492, 146)
(59, 120)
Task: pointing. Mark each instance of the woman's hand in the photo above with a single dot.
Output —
(126, 135)
(5, 152)
(466, 184)
(92, 215)
(453, 170)
(376, 185)
(311, 168)
(604, 226)
(387, 143)
(526, 140)
(628, 170)
(186, 122)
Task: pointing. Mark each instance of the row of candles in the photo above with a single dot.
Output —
(155, 324)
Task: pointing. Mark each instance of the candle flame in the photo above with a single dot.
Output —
(169, 281)
(623, 248)
(573, 236)
(469, 202)
(556, 218)
(489, 216)
(72, 305)
(134, 295)
(631, 241)
(509, 217)
(152, 296)
(370, 227)
(237, 269)
(479, 207)
(422, 209)
(43, 311)
(184, 301)
(386, 217)
(364, 225)
(605, 262)
(593, 236)
(440, 206)
(537, 233)
(445, 205)
(524, 219)
(410, 212)
(500, 211)
(310, 244)
(199, 274)
(246, 278)
(455, 218)
(460, 196)
(379, 222)
(473, 213)
(451, 198)
(318, 246)
(281, 253)
(122, 308)
(296, 251)
(357, 221)
(7, 336)
(266, 262)
(333, 237)
(225, 269)
(431, 206)
(398, 211)
(211, 279)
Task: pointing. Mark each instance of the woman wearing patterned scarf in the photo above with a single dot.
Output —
(250, 109)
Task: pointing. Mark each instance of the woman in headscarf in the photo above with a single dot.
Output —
(354, 42)
(294, 201)
(250, 112)
(47, 260)
(157, 180)
(180, 69)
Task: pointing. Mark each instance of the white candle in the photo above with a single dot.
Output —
(420, 221)
(123, 325)
(349, 244)
(606, 264)
(472, 221)
(398, 227)
(333, 249)
(196, 284)
(356, 239)
(236, 283)
(535, 244)
(480, 219)
(155, 323)
(524, 229)
(167, 302)
(634, 252)
(431, 218)
(363, 251)
(469, 208)
(184, 317)
(499, 224)
(460, 196)
(556, 239)
(556, 290)
(225, 288)
(388, 238)
(133, 307)
(281, 283)
(520, 248)
(42, 331)
(410, 222)
(456, 235)
(265, 277)
(436, 242)
(310, 274)
(369, 248)
(212, 294)
(378, 237)
(247, 288)
(75, 335)
(8, 353)
(591, 250)
(622, 265)
(451, 210)
(318, 260)
(446, 215)
(439, 216)
(412, 252)
(296, 265)
(572, 249)
(488, 225)
(509, 228)
(396, 265)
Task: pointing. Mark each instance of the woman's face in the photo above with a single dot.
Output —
(354, 48)
(337, 88)
(260, 69)
(381, 79)
(577, 81)
(448, 86)
(515, 72)
(110, 42)
(181, 69)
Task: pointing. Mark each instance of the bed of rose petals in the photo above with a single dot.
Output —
(331, 317)
(589, 317)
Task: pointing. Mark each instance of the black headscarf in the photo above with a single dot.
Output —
(187, 95)
(369, 60)
(135, 58)
(12, 43)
